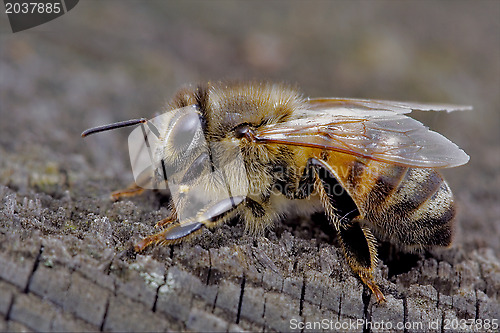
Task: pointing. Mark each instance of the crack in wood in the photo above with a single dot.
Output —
(158, 292)
(405, 313)
(340, 305)
(476, 317)
(35, 267)
(106, 309)
(264, 313)
(264, 307)
(209, 273)
(107, 270)
(295, 263)
(171, 254)
(9, 310)
(322, 298)
(366, 296)
(215, 300)
(240, 301)
(302, 295)
(442, 322)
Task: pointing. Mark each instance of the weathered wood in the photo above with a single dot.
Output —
(88, 277)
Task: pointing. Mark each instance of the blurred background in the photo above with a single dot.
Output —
(107, 61)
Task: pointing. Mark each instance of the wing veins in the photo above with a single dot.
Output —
(386, 136)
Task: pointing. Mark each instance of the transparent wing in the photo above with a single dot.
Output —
(380, 105)
(373, 129)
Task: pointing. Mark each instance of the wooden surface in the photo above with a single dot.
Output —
(61, 276)
(66, 259)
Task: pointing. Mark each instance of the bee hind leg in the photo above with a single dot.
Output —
(357, 241)
(359, 247)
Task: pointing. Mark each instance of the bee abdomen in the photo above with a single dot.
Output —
(419, 211)
(415, 188)
(433, 219)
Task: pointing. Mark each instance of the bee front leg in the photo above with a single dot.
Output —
(357, 241)
(131, 191)
(165, 221)
(143, 181)
(177, 232)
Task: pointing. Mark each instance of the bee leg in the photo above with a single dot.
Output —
(164, 222)
(221, 211)
(358, 243)
(177, 232)
(340, 208)
(143, 181)
(156, 238)
(131, 191)
(359, 247)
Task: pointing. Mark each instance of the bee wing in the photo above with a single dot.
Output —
(381, 105)
(142, 143)
(372, 129)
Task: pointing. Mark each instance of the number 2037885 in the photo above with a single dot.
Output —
(33, 7)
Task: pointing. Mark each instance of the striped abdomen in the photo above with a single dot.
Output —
(412, 207)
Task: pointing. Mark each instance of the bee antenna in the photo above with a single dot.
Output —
(108, 127)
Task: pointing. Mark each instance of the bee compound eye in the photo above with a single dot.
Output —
(243, 130)
(184, 130)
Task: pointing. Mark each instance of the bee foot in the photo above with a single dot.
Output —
(374, 289)
(125, 193)
(173, 234)
(145, 242)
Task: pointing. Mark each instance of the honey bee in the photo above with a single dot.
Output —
(369, 167)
